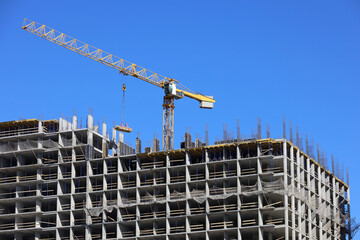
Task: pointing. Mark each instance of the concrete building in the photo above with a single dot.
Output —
(62, 181)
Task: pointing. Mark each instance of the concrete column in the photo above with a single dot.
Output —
(118, 231)
(87, 232)
(238, 153)
(299, 217)
(293, 234)
(137, 227)
(260, 235)
(104, 129)
(37, 221)
(239, 221)
(259, 168)
(37, 236)
(74, 122)
(167, 224)
(138, 145)
(104, 145)
(292, 169)
(308, 169)
(260, 216)
(113, 138)
(319, 202)
(138, 163)
(121, 137)
(300, 160)
(37, 217)
(348, 202)
(187, 158)
(90, 122)
(207, 223)
(207, 155)
(40, 127)
(103, 232)
(187, 220)
(57, 235)
(286, 205)
(71, 232)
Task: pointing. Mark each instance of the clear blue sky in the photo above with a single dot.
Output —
(257, 58)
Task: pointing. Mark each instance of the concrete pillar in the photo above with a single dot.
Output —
(104, 129)
(258, 150)
(71, 232)
(187, 140)
(156, 145)
(238, 152)
(198, 143)
(286, 205)
(17, 221)
(207, 155)
(87, 232)
(113, 139)
(319, 202)
(121, 137)
(167, 224)
(138, 145)
(37, 221)
(299, 217)
(292, 169)
(187, 220)
(74, 122)
(57, 234)
(260, 235)
(40, 127)
(118, 231)
(37, 217)
(90, 122)
(104, 145)
(103, 232)
(137, 227)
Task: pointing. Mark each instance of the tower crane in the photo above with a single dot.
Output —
(172, 88)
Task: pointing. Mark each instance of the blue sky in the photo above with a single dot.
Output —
(257, 58)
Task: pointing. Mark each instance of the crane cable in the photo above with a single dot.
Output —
(123, 105)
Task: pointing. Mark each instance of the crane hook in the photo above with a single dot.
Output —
(124, 87)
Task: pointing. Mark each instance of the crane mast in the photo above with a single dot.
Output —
(172, 88)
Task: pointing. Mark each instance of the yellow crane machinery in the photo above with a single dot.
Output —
(172, 88)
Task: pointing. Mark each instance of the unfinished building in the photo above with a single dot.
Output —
(61, 181)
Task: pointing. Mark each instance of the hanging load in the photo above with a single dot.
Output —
(123, 128)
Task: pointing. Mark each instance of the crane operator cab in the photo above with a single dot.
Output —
(170, 91)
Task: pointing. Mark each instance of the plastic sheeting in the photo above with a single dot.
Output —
(28, 145)
(95, 212)
(323, 210)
